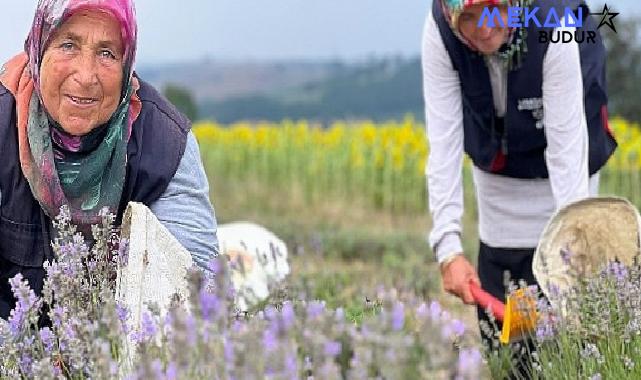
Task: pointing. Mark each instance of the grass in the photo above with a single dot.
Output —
(342, 251)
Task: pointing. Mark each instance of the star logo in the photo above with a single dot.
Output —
(606, 18)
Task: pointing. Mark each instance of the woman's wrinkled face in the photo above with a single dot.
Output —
(486, 39)
(81, 73)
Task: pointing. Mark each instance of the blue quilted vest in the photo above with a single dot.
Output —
(155, 149)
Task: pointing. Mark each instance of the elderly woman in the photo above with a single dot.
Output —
(79, 129)
(531, 115)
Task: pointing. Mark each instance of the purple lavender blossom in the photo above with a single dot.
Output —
(172, 371)
(123, 317)
(458, 328)
(228, 351)
(469, 362)
(215, 266)
(192, 330)
(291, 366)
(148, 329)
(592, 351)
(544, 331)
(333, 348)
(618, 270)
(209, 304)
(26, 365)
(435, 311)
(398, 316)
(123, 251)
(156, 367)
(288, 314)
(315, 309)
(237, 326)
(48, 339)
(422, 310)
(271, 313)
(453, 329)
(270, 340)
(26, 303)
(92, 265)
(16, 320)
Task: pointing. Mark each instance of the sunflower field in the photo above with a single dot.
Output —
(379, 165)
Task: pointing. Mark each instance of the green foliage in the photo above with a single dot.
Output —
(624, 68)
(182, 99)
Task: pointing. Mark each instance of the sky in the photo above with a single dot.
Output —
(188, 30)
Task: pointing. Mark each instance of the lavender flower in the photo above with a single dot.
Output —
(228, 350)
(123, 317)
(592, 351)
(333, 348)
(48, 339)
(469, 361)
(148, 328)
(398, 316)
(209, 304)
(123, 251)
(315, 309)
(88, 326)
(270, 339)
(172, 371)
(422, 311)
(288, 315)
(291, 366)
(435, 311)
(458, 328)
(618, 270)
(27, 304)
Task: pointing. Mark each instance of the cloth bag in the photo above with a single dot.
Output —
(155, 271)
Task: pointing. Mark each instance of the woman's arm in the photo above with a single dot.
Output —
(565, 124)
(184, 208)
(444, 116)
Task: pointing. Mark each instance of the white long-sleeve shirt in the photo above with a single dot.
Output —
(512, 212)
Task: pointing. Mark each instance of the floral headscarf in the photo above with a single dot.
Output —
(51, 14)
(513, 51)
(85, 173)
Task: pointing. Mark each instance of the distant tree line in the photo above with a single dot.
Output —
(376, 90)
(391, 88)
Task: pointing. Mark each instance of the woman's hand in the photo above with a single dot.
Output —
(456, 276)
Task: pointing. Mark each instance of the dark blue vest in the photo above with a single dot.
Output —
(514, 145)
(155, 149)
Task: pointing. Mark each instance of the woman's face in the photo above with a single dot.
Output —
(487, 40)
(81, 73)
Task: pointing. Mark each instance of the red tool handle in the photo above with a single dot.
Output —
(488, 301)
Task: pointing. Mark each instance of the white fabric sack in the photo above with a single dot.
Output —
(155, 271)
(258, 260)
(156, 266)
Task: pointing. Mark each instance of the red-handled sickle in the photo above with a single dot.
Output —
(488, 301)
(519, 315)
